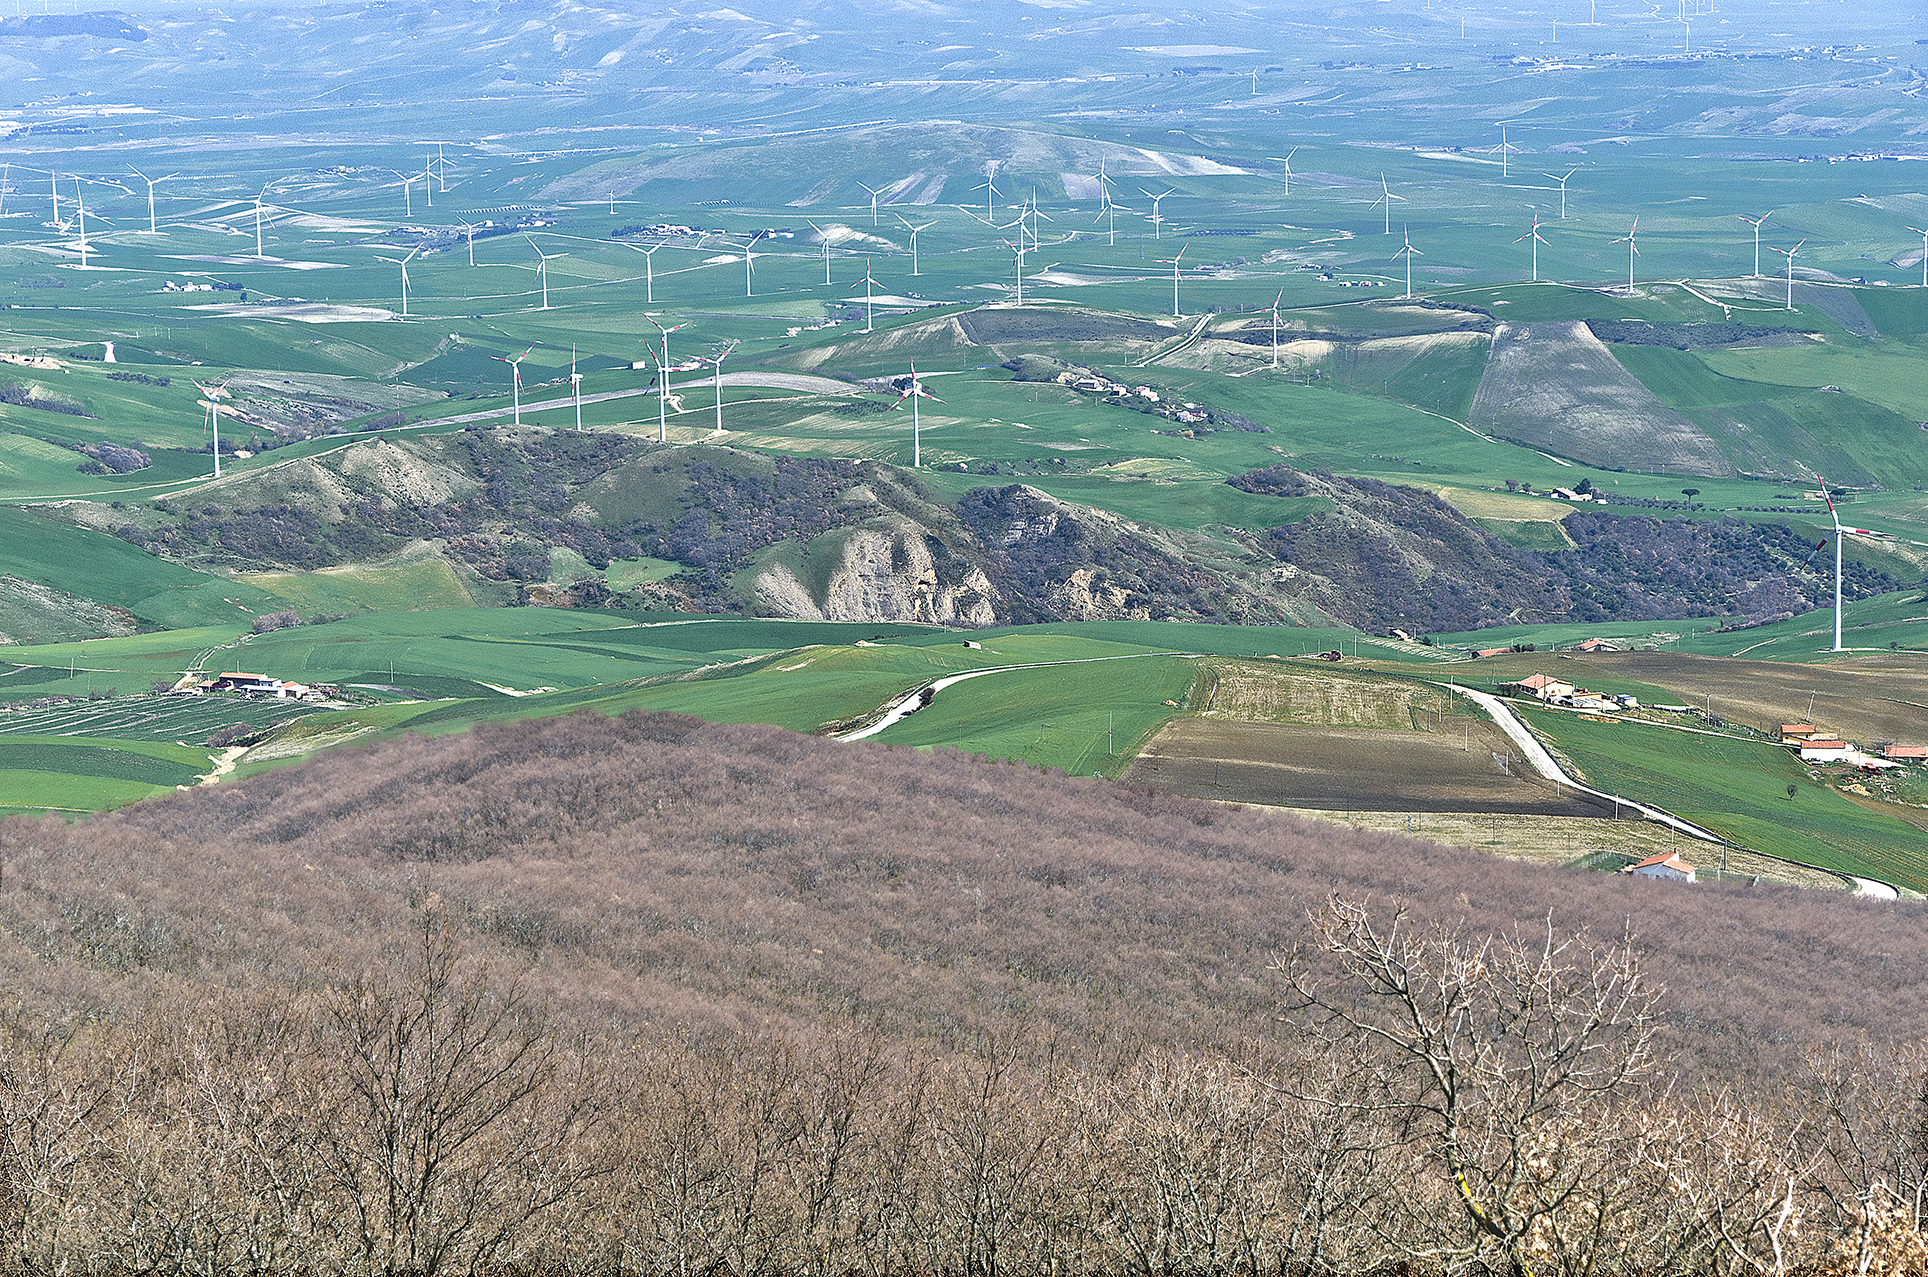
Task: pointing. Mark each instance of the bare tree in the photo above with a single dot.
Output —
(1505, 1060)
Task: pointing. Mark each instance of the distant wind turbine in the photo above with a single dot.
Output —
(718, 361)
(1104, 185)
(1789, 254)
(1020, 250)
(1173, 263)
(213, 402)
(1275, 327)
(869, 285)
(1408, 252)
(1837, 547)
(408, 192)
(1537, 239)
(1286, 160)
(470, 228)
(913, 247)
(824, 240)
(749, 262)
(663, 370)
(515, 367)
(152, 227)
(1924, 254)
(257, 219)
(575, 384)
(989, 187)
(649, 270)
(1756, 223)
(1157, 219)
(874, 193)
(913, 394)
(1110, 212)
(1633, 251)
(1506, 150)
(53, 183)
(1386, 198)
(428, 182)
(403, 263)
(1563, 181)
(542, 269)
(80, 207)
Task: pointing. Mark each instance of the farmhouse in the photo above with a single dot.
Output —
(1540, 686)
(1906, 753)
(259, 685)
(1596, 645)
(1793, 733)
(1668, 866)
(1819, 750)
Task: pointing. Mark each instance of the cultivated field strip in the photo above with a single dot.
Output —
(147, 717)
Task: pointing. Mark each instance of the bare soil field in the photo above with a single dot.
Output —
(1249, 691)
(1866, 698)
(1580, 841)
(1472, 769)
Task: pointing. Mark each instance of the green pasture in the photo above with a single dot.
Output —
(374, 587)
(1739, 788)
(108, 570)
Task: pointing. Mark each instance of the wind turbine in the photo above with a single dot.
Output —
(470, 228)
(718, 361)
(1789, 254)
(408, 193)
(81, 206)
(1924, 254)
(53, 184)
(1506, 149)
(1036, 213)
(257, 219)
(152, 228)
(1563, 181)
(515, 367)
(213, 401)
(428, 182)
(1156, 218)
(1633, 251)
(663, 371)
(869, 284)
(1286, 160)
(1173, 263)
(989, 187)
(442, 168)
(1756, 223)
(1104, 185)
(1837, 552)
(1386, 197)
(1408, 252)
(914, 393)
(403, 263)
(542, 269)
(575, 384)
(649, 269)
(825, 241)
(913, 247)
(1019, 249)
(1537, 240)
(1275, 328)
(874, 193)
(1110, 211)
(749, 261)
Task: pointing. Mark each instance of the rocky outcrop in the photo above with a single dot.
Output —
(885, 576)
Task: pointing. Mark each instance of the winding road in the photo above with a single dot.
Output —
(913, 700)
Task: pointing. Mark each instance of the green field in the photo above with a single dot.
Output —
(1739, 788)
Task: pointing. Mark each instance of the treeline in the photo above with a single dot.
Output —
(1455, 1105)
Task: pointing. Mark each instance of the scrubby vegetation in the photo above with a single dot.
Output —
(601, 995)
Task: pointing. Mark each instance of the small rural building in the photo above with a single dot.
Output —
(1668, 866)
(1540, 686)
(1794, 732)
(1492, 651)
(1906, 753)
(1819, 750)
(1596, 645)
(259, 685)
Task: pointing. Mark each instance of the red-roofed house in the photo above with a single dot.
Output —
(1667, 865)
(1597, 645)
(1818, 750)
(1907, 753)
(1791, 732)
(1543, 686)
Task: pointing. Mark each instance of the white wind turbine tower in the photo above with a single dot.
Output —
(1104, 185)
(1386, 198)
(989, 187)
(470, 228)
(212, 401)
(1924, 254)
(1789, 254)
(663, 371)
(53, 184)
(542, 269)
(649, 270)
(1537, 240)
(1408, 252)
(913, 394)
(913, 247)
(1275, 329)
(152, 227)
(869, 285)
(874, 193)
(442, 168)
(1563, 181)
(403, 263)
(575, 384)
(749, 262)
(1286, 160)
(824, 240)
(1110, 212)
(257, 220)
(80, 207)
(1173, 263)
(515, 367)
(1756, 223)
(6, 172)
(718, 361)
(1036, 213)
(408, 193)
(1837, 558)
(1506, 150)
(1157, 219)
(1633, 251)
(1020, 250)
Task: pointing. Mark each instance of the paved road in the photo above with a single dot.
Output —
(912, 701)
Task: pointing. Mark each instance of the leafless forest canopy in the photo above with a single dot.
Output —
(648, 995)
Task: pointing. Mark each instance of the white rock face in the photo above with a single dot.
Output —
(884, 576)
(1081, 597)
